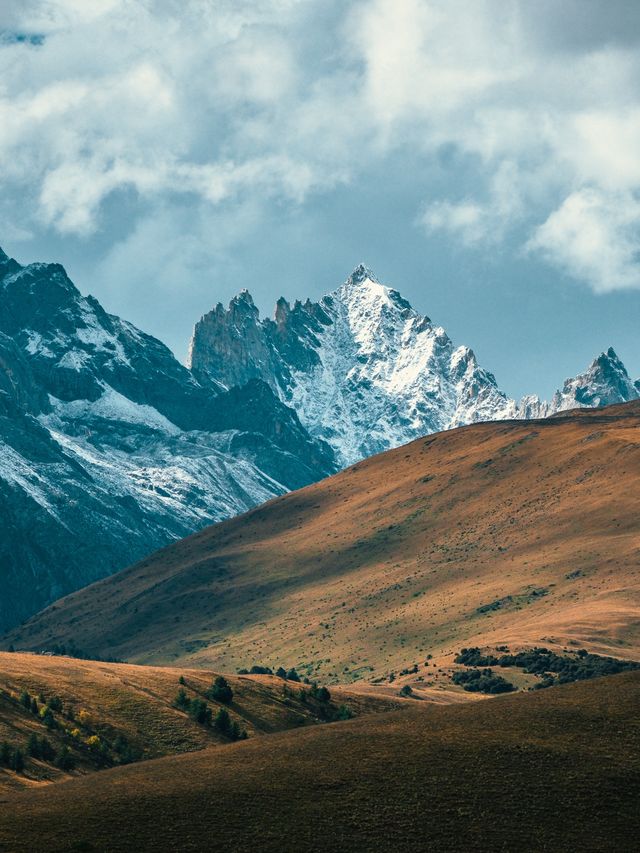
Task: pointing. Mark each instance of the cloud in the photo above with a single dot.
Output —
(244, 100)
(595, 237)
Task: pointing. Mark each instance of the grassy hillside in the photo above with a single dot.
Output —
(132, 712)
(518, 533)
(552, 770)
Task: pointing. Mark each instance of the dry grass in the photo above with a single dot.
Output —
(137, 703)
(555, 770)
(370, 570)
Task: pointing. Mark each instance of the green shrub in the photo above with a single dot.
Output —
(222, 722)
(17, 761)
(200, 712)
(33, 745)
(6, 753)
(482, 681)
(182, 700)
(323, 695)
(55, 703)
(344, 713)
(65, 761)
(474, 657)
(220, 691)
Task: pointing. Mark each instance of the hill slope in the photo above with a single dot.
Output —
(132, 711)
(553, 770)
(516, 533)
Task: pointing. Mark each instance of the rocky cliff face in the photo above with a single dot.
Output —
(362, 369)
(109, 448)
(365, 372)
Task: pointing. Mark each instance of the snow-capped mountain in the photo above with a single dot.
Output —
(365, 372)
(362, 369)
(109, 448)
(604, 383)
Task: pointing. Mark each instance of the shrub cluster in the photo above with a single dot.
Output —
(227, 727)
(552, 667)
(281, 672)
(201, 713)
(11, 757)
(482, 681)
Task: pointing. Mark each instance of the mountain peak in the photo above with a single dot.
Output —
(611, 355)
(243, 296)
(362, 273)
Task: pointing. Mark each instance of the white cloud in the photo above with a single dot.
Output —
(595, 237)
(465, 219)
(242, 99)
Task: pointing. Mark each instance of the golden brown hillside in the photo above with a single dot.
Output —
(131, 711)
(555, 770)
(516, 533)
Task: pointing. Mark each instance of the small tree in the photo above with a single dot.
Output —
(33, 745)
(25, 700)
(182, 700)
(200, 712)
(65, 761)
(281, 672)
(344, 713)
(220, 691)
(5, 753)
(34, 706)
(47, 751)
(406, 690)
(292, 675)
(323, 695)
(47, 717)
(222, 722)
(17, 761)
(55, 704)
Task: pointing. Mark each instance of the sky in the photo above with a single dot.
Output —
(481, 156)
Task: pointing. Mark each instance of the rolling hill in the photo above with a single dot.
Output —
(551, 770)
(516, 533)
(132, 712)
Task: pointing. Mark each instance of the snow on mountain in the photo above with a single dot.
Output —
(365, 372)
(109, 448)
(361, 368)
(604, 383)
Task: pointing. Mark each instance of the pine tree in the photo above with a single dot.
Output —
(33, 745)
(220, 691)
(222, 722)
(17, 761)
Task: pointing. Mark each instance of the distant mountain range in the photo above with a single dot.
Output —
(110, 448)
(365, 372)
